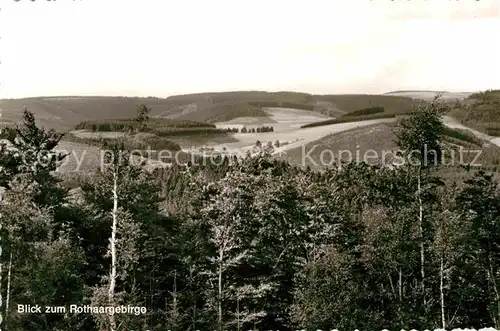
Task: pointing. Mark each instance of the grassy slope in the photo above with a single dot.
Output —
(377, 137)
(480, 111)
(63, 113)
(380, 137)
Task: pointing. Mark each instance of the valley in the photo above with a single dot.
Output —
(228, 123)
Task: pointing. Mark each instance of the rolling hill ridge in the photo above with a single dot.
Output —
(63, 113)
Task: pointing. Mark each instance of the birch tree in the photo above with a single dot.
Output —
(421, 132)
(111, 183)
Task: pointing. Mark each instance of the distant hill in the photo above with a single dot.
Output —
(63, 113)
(412, 91)
(429, 95)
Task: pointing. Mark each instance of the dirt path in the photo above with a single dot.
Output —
(455, 124)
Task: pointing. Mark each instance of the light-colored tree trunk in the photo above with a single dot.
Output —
(238, 326)
(112, 276)
(421, 230)
(7, 299)
(392, 286)
(441, 290)
(491, 274)
(174, 308)
(219, 319)
(400, 285)
(194, 316)
(1, 288)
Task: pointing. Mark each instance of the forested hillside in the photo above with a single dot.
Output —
(248, 244)
(63, 113)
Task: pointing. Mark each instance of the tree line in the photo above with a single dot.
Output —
(250, 130)
(257, 130)
(247, 244)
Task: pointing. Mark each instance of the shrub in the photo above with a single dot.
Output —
(127, 124)
(366, 111)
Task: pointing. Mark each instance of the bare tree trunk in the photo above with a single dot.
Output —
(238, 327)
(194, 316)
(400, 292)
(1, 297)
(421, 229)
(174, 309)
(400, 285)
(9, 277)
(441, 271)
(112, 276)
(220, 296)
(495, 289)
(392, 286)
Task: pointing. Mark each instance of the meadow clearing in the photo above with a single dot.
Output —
(287, 129)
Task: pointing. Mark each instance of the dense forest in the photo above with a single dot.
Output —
(248, 244)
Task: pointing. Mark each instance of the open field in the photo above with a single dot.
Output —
(84, 157)
(281, 119)
(287, 130)
(84, 134)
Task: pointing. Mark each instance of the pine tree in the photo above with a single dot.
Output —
(29, 149)
(142, 116)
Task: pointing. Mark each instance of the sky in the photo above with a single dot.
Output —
(167, 47)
